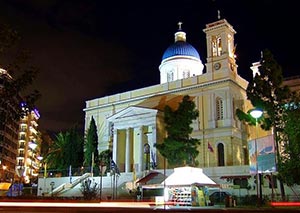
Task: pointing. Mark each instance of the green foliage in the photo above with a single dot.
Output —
(89, 189)
(289, 168)
(55, 158)
(75, 146)
(178, 147)
(8, 37)
(266, 92)
(66, 150)
(91, 145)
(105, 158)
(16, 88)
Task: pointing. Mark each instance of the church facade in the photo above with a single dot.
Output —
(130, 123)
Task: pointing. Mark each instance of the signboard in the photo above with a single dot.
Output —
(265, 158)
(15, 190)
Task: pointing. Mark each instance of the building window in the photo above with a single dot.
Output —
(221, 160)
(216, 46)
(22, 137)
(22, 145)
(219, 108)
(170, 76)
(20, 163)
(186, 74)
(242, 182)
(21, 153)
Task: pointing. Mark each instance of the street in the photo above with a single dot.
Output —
(145, 207)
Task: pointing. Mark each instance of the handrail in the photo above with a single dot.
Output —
(67, 186)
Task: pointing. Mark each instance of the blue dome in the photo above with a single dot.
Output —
(180, 48)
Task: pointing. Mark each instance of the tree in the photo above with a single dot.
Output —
(266, 92)
(105, 158)
(15, 86)
(91, 146)
(65, 151)
(55, 159)
(74, 148)
(289, 168)
(178, 147)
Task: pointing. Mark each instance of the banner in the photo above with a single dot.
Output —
(265, 158)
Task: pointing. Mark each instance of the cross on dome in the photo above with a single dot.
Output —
(179, 25)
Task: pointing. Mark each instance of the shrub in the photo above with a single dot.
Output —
(89, 189)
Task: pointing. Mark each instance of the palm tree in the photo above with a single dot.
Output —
(56, 158)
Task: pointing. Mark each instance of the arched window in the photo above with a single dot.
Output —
(221, 160)
(170, 76)
(219, 46)
(216, 46)
(186, 74)
(219, 108)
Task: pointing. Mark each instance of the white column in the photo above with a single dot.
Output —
(141, 148)
(153, 150)
(127, 151)
(115, 145)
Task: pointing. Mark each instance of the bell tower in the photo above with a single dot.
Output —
(220, 47)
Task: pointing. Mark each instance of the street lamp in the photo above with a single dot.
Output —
(102, 167)
(257, 113)
(42, 190)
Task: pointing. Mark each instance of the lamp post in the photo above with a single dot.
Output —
(40, 158)
(257, 113)
(102, 168)
(52, 187)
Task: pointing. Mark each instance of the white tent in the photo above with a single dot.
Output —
(185, 176)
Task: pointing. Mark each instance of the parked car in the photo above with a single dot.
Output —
(218, 197)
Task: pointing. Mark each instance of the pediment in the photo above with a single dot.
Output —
(148, 107)
(132, 112)
(159, 102)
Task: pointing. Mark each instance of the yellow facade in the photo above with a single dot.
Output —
(217, 94)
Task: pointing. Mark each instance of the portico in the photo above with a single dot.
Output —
(134, 127)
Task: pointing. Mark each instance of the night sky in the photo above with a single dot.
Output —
(87, 49)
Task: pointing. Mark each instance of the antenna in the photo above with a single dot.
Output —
(179, 25)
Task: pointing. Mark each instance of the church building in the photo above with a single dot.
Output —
(130, 123)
